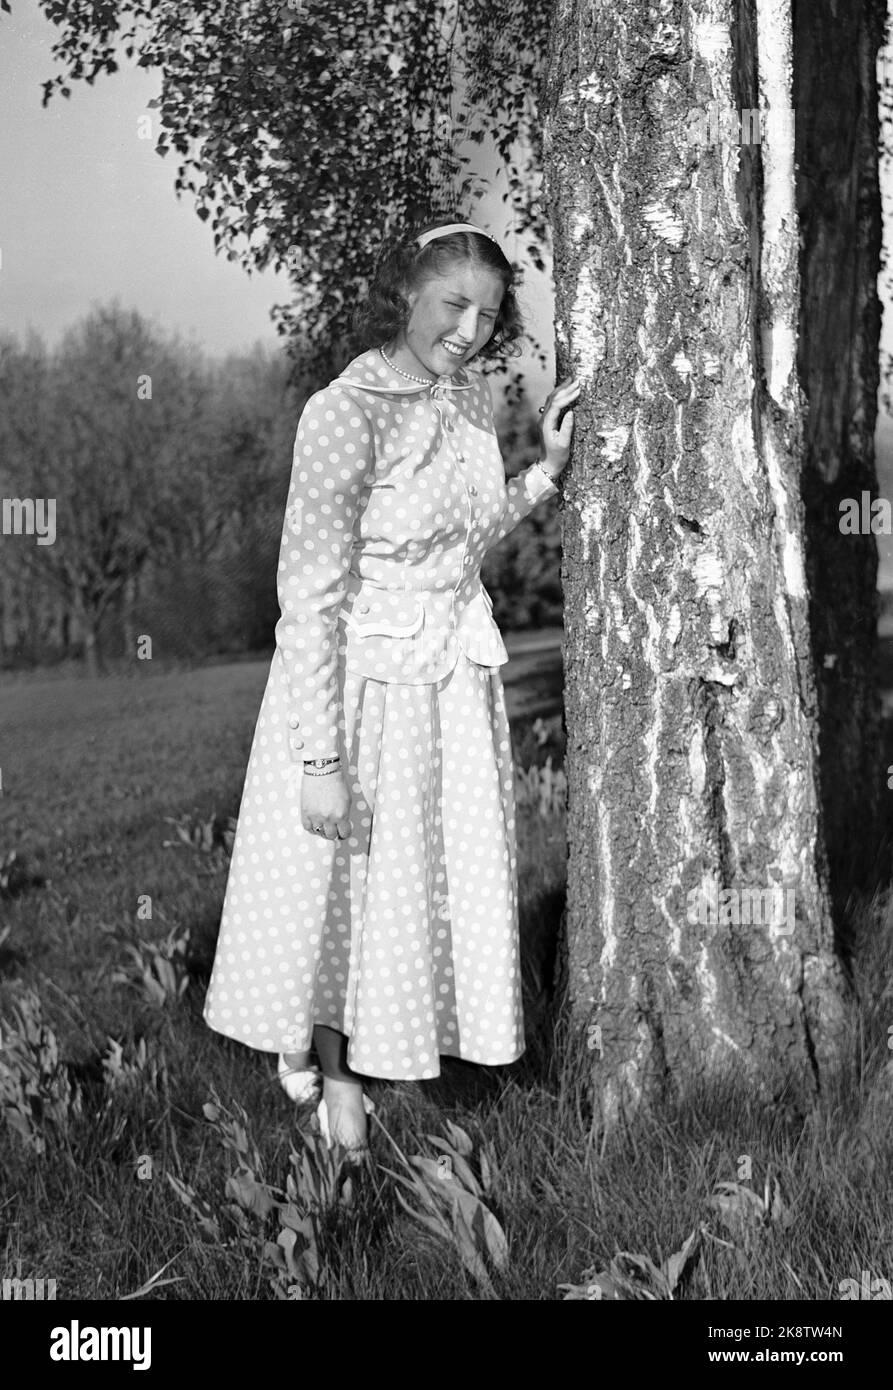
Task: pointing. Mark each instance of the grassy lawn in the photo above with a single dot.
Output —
(114, 1172)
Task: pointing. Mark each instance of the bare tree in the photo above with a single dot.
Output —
(123, 413)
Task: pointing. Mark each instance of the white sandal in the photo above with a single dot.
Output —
(300, 1086)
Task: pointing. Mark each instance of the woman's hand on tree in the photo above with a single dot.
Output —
(555, 440)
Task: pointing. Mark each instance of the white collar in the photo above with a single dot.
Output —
(372, 373)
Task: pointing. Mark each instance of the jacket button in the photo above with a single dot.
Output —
(473, 490)
(293, 721)
(363, 607)
(297, 743)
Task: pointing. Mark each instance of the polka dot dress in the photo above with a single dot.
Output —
(403, 936)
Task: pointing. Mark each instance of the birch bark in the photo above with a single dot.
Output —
(698, 927)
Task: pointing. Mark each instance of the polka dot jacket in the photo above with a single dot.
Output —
(397, 491)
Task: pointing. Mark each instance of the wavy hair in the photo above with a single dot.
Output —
(401, 268)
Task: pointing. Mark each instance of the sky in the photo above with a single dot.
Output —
(88, 212)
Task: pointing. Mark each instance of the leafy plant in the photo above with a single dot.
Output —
(291, 1256)
(543, 729)
(203, 835)
(449, 1201)
(740, 1209)
(36, 1090)
(544, 788)
(139, 1066)
(635, 1277)
(631, 1276)
(159, 968)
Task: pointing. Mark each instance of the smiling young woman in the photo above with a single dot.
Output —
(450, 284)
(371, 906)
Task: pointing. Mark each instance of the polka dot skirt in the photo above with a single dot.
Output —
(405, 935)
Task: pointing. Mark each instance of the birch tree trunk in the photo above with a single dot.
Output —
(699, 935)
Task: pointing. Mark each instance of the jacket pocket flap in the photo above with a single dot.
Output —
(391, 614)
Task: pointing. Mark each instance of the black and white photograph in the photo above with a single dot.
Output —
(446, 668)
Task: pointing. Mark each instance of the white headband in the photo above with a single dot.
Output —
(453, 227)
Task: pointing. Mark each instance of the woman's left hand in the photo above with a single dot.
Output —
(555, 441)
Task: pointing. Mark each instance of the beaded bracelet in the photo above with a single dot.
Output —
(319, 763)
(539, 465)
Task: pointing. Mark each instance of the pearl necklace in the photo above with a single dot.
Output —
(425, 381)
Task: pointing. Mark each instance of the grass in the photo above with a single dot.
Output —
(96, 777)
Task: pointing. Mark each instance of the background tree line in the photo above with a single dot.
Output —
(169, 471)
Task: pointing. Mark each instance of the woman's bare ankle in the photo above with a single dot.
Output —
(297, 1061)
(342, 1087)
